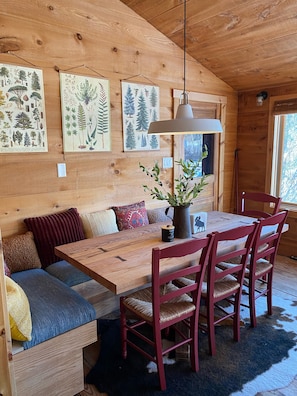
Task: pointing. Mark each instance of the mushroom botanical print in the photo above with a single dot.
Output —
(22, 110)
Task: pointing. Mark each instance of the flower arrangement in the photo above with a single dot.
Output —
(185, 189)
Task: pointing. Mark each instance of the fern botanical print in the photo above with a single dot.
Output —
(140, 105)
(85, 113)
(22, 110)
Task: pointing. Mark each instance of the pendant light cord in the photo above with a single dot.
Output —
(185, 11)
(184, 95)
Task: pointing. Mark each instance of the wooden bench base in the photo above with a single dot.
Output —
(54, 367)
(103, 300)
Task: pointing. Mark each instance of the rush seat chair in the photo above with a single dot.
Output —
(223, 282)
(259, 271)
(258, 204)
(225, 285)
(164, 305)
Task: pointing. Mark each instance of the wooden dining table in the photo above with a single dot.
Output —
(122, 261)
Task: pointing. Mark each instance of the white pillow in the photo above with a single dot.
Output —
(99, 223)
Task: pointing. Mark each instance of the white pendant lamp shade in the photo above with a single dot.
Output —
(184, 122)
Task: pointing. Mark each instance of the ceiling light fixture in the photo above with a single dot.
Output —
(261, 96)
(184, 122)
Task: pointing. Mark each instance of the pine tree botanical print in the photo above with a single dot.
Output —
(140, 105)
(85, 113)
(22, 110)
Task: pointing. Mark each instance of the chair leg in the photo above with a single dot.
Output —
(252, 303)
(159, 360)
(236, 318)
(194, 345)
(211, 328)
(269, 294)
(123, 330)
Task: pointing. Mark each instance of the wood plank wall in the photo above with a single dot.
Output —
(253, 124)
(103, 38)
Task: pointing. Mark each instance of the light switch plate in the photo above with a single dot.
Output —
(167, 162)
(61, 170)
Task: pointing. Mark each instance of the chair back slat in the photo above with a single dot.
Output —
(250, 202)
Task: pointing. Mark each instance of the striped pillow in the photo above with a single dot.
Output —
(54, 230)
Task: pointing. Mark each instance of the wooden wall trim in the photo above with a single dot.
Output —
(7, 383)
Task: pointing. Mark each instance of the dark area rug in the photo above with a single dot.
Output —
(234, 365)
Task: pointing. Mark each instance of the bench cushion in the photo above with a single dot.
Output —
(67, 273)
(55, 308)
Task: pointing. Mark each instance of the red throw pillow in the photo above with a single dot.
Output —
(54, 230)
(131, 216)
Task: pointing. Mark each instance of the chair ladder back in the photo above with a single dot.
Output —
(266, 245)
(256, 198)
(196, 267)
(242, 239)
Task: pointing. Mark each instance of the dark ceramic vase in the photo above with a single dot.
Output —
(181, 221)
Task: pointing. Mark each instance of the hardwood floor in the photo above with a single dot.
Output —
(284, 284)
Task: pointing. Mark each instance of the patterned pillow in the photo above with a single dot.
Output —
(54, 230)
(20, 252)
(131, 216)
(19, 311)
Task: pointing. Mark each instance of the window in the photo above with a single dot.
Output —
(193, 146)
(284, 170)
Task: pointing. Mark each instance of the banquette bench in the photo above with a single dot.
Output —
(62, 302)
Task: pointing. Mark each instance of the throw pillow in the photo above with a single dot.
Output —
(54, 230)
(131, 216)
(7, 271)
(158, 215)
(19, 311)
(99, 223)
(20, 252)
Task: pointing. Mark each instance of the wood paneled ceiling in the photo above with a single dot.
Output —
(250, 44)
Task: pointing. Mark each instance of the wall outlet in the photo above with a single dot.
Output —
(167, 162)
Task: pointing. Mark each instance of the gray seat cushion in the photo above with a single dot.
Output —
(67, 273)
(55, 308)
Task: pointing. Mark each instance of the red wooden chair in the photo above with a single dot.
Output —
(226, 283)
(262, 260)
(254, 204)
(164, 305)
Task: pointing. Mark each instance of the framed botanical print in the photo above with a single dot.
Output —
(85, 103)
(140, 106)
(22, 110)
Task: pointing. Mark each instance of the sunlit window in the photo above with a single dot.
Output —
(284, 172)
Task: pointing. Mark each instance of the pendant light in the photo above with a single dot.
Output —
(184, 122)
